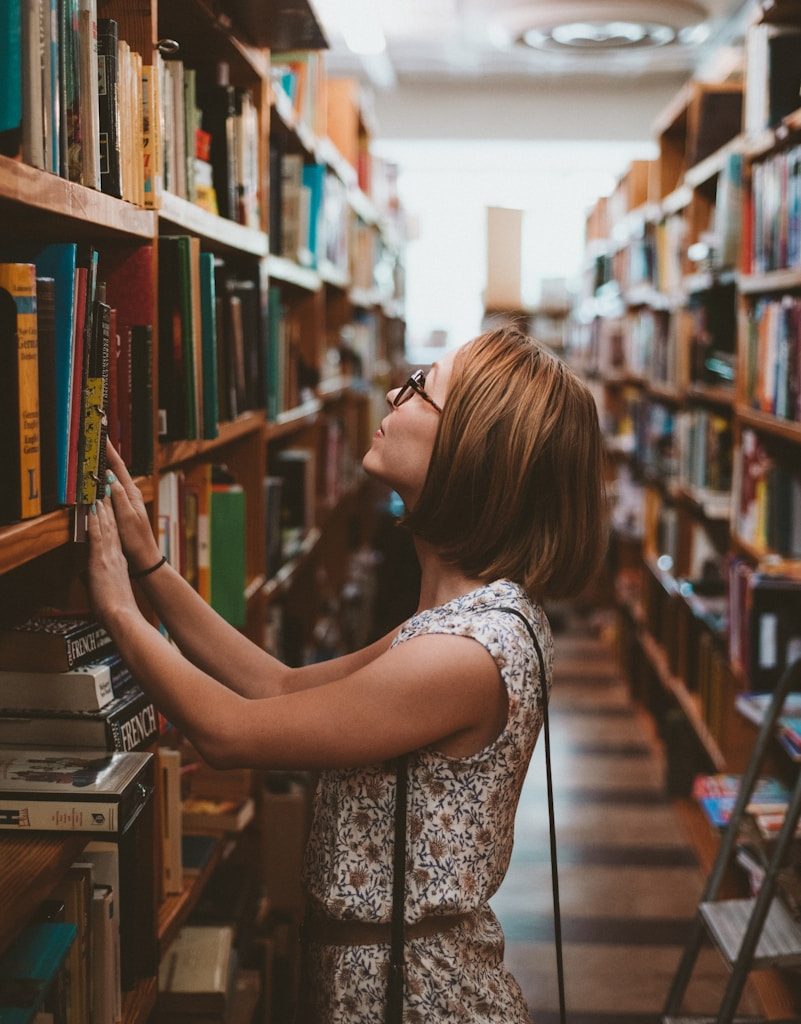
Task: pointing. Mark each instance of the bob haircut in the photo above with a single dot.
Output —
(515, 486)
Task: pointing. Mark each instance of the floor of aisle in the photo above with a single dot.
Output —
(629, 883)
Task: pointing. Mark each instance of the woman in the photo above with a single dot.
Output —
(497, 456)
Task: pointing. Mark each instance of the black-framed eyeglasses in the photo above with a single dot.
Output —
(416, 384)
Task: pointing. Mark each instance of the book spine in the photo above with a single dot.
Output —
(32, 122)
(10, 77)
(134, 727)
(90, 641)
(108, 108)
(141, 399)
(90, 118)
(46, 347)
(21, 815)
(19, 280)
(56, 691)
(149, 138)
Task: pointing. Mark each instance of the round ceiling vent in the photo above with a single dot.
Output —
(601, 26)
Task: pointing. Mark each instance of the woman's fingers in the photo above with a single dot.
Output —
(120, 470)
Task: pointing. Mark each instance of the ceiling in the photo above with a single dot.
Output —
(459, 42)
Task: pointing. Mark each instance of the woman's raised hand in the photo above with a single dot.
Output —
(136, 537)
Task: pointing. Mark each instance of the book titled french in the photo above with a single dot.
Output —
(71, 790)
(51, 644)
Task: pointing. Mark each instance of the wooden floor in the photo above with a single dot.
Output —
(629, 882)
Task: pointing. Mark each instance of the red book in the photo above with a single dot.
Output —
(79, 320)
(124, 393)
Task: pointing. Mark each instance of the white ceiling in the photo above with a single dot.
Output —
(456, 42)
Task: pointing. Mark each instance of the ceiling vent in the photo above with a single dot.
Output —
(603, 26)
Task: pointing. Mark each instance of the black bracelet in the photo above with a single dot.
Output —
(146, 572)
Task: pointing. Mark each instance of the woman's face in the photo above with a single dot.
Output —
(401, 447)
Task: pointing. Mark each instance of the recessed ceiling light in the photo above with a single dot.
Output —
(597, 26)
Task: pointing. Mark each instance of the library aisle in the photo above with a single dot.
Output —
(629, 883)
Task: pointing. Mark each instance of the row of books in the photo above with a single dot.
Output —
(705, 450)
(775, 226)
(296, 205)
(764, 623)
(773, 357)
(717, 795)
(754, 706)
(300, 76)
(77, 99)
(714, 335)
(209, 148)
(76, 349)
(767, 497)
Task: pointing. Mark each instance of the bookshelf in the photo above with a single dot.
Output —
(688, 260)
(340, 339)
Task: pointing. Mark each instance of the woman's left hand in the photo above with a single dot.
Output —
(109, 584)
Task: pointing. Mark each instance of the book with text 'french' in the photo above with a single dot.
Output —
(129, 722)
(20, 495)
(51, 643)
(72, 790)
(29, 970)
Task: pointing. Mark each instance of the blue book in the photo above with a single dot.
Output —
(10, 77)
(313, 179)
(30, 966)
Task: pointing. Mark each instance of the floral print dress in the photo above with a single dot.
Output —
(459, 841)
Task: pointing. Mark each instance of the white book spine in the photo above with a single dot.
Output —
(20, 815)
(90, 112)
(32, 127)
(87, 689)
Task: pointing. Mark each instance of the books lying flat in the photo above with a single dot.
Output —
(195, 972)
(754, 705)
(44, 644)
(717, 795)
(71, 790)
(202, 815)
(29, 968)
(129, 722)
(88, 687)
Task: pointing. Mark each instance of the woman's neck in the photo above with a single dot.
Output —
(440, 582)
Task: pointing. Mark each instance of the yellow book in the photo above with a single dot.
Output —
(19, 344)
(151, 144)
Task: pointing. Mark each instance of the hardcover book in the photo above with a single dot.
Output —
(72, 790)
(128, 723)
(88, 687)
(195, 972)
(51, 644)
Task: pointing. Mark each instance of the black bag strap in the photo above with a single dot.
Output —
(557, 916)
(394, 1007)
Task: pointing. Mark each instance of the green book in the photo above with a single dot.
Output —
(228, 552)
(29, 968)
(10, 78)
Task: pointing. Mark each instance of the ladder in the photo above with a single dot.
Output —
(749, 933)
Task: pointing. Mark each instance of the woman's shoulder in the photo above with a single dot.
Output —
(495, 607)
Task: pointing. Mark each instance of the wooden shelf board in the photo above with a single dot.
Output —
(786, 429)
(174, 910)
(286, 270)
(334, 389)
(333, 276)
(283, 579)
(137, 1005)
(175, 452)
(687, 701)
(30, 867)
(772, 281)
(666, 580)
(364, 298)
(363, 206)
(700, 504)
(623, 379)
(294, 419)
(46, 193)
(713, 395)
(768, 561)
(665, 392)
(677, 200)
(21, 542)
(714, 164)
(761, 143)
(254, 586)
(215, 231)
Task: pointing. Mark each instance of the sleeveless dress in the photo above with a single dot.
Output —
(459, 841)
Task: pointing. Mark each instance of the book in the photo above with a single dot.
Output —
(105, 976)
(51, 644)
(195, 972)
(46, 351)
(753, 706)
(717, 795)
(11, 78)
(209, 345)
(104, 856)
(20, 497)
(88, 72)
(228, 561)
(75, 889)
(205, 814)
(172, 879)
(30, 967)
(108, 107)
(129, 722)
(72, 790)
(33, 139)
(87, 687)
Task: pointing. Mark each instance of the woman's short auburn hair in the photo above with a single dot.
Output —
(515, 486)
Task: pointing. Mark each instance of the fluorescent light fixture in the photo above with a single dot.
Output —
(600, 35)
(358, 22)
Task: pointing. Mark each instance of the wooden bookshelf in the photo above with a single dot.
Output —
(138, 1004)
(285, 577)
(30, 868)
(712, 395)
(333, 276)
(772, 281)
(177, 214)
(293, 273)
(709, 168)
(174, 453)
(31, 193)
(174, 910)
(774, 425)
(292, 420)
(665, 393)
